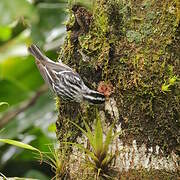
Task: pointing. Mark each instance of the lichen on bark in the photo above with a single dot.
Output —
(134, 45)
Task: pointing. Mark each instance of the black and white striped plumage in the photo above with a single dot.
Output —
(63, 81)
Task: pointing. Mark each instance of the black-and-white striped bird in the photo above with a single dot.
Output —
(63, 81)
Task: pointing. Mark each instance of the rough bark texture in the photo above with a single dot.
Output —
(135, 45)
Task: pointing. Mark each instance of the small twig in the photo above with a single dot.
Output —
(25, 105)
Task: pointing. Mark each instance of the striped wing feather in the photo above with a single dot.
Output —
(69, 85)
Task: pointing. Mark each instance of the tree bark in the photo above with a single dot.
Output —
(135, 46)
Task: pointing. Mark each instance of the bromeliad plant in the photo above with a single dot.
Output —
(58, 160)
(98, 156)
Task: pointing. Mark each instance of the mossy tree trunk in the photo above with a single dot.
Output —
(134, 45)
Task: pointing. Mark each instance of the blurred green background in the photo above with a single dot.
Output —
(23, 22)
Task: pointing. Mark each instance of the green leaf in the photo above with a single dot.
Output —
(82, 130)
(107, 160)
(5, 33)
(87, 151)
(98, 136)
(89, 134)
(3, 106)
(21, 145)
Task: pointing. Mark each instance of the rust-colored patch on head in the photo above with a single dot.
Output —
(105, 88)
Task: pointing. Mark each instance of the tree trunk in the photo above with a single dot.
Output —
(135, 46)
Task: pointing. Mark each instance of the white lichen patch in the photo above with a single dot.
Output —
(111, 108)
(134, 157)
(130, 157)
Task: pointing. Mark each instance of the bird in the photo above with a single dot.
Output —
(64, 81)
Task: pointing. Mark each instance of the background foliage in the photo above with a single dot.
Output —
(23, 22)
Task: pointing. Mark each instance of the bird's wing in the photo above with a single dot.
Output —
(69, 77)
(57, 66)
(44, 73)
(68, 85)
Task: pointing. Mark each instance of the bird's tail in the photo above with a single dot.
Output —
(94, 97)
(35, 51)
